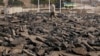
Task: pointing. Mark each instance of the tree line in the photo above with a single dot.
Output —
(15, 3)
(20, 3)
(1, 2)
(46, 1)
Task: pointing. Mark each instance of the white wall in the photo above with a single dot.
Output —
(12, 10)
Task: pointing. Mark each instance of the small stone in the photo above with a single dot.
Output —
(41, 52)
(80, 51)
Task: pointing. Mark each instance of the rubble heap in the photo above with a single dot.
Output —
(38, 35)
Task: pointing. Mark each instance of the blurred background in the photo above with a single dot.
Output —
(13, 6)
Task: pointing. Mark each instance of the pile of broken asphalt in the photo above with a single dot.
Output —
(65, 35)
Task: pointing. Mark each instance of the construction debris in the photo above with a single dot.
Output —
(28, 34)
